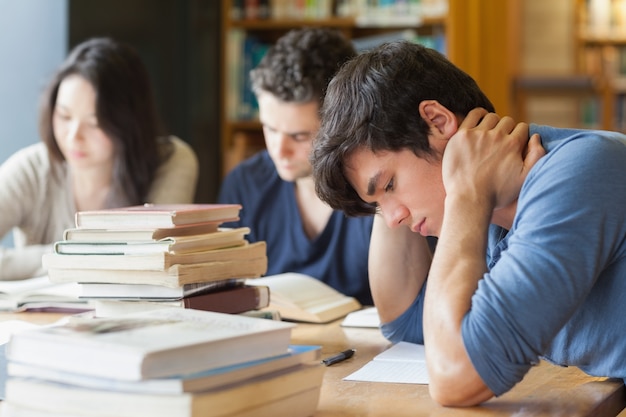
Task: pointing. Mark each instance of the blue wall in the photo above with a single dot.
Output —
(33, 42)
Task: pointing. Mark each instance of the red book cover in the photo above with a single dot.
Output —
(232, 300)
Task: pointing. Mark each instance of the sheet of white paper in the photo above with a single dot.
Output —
(403, 352)
(367, 317)
(396, 372)
(403, 363)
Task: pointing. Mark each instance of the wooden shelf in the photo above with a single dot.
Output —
(265, 24)
(577, 85)
(480, 37)
(252, 125)
(589, 40)
(601, 54)
(334, 22)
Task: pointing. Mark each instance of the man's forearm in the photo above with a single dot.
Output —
(398, 265)
(458, 265)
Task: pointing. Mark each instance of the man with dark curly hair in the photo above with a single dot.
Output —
(275, 187)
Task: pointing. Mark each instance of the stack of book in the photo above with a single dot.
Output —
(139, 258)
(167, 362)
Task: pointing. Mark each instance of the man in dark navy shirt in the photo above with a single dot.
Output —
(275, 187)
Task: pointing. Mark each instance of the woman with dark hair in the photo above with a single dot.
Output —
(101, 147)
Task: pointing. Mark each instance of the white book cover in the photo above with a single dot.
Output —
(246, 398)
(178, 384)
(224, 238)
(153, 344)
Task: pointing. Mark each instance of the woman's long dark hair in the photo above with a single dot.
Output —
(125, 110)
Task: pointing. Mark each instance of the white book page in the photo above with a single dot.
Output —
(367, 317)
(403, 363)
(38, 289)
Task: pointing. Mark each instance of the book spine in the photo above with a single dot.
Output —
(232, 300)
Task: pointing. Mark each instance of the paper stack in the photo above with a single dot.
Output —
(168, 362)
(145, 257)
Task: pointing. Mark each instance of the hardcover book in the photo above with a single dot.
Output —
(132, 235)
(156, 215)
(231, 300)
(291, 392)
(159, 261)
(178, 384)
(152, 292)
(300, 404)
(180, 244)
(174, 276)
(154, 344)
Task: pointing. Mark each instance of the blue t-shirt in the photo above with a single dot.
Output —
(338, 256)
(556, 286)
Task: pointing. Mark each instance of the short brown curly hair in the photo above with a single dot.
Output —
(299, 66)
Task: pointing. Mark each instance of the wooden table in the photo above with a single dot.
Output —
(546, 391)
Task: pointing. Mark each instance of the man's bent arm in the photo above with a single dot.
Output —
(483, 168)
(458, 265)
(398, 265)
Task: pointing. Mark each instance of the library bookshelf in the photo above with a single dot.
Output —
(600, 27)
(480, 36)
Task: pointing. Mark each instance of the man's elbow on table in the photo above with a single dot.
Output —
(458, 391)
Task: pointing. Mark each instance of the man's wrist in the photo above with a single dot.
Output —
(470, 205)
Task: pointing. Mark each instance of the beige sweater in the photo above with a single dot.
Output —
(36, 202)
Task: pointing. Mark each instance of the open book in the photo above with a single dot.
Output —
(39, 294)
(300, 297)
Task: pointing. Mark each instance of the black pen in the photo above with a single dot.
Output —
(341, 356)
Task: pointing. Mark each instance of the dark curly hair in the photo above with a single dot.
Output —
(299, 66)
(125, 109)
(372, 103)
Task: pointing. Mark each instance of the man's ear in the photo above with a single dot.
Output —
(442, 122)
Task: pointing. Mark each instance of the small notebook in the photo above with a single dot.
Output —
(403, 363)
